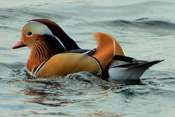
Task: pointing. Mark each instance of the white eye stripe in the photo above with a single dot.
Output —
(39, 28)
(59, 41)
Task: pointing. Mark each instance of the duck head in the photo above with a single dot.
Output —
(45, 39)
(45, 27)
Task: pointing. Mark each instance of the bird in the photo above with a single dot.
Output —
(54, 54)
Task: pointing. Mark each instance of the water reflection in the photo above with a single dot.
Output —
(74, 88)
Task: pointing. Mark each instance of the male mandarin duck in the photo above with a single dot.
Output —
(53, 53)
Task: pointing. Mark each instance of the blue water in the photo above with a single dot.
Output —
(144, 28)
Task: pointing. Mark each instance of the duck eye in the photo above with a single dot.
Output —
(29, 33)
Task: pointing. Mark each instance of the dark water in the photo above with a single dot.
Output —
(144, 28)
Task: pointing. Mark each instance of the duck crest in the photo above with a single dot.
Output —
(59, 33)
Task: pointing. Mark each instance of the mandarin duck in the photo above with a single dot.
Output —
(53, 53)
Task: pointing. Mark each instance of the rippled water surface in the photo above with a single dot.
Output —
(144, 28)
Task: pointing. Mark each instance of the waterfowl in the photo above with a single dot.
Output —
(53, 53)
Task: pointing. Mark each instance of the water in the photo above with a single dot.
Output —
(145, 30)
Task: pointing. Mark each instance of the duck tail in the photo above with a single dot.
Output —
(107, 48)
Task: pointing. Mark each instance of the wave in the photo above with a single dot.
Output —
(18, 13)
(142, 23)
(11, 69)
(15, 65)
